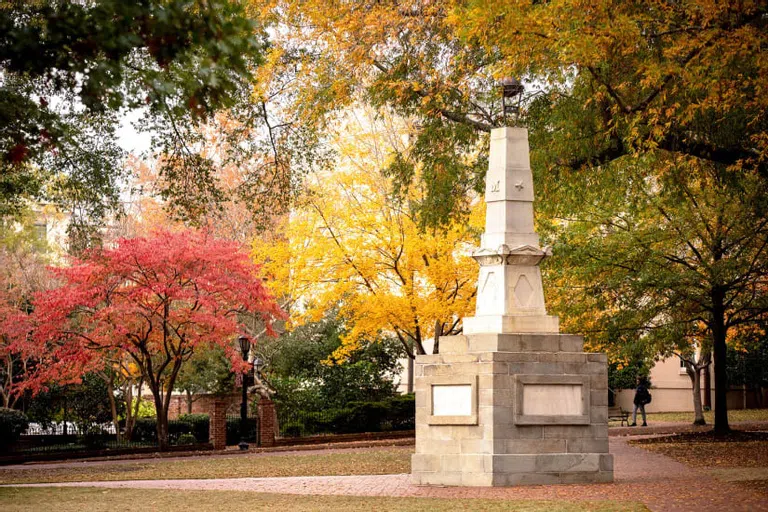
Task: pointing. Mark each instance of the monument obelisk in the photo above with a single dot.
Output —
(511, 401)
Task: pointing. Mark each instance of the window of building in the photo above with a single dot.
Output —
(41, 232)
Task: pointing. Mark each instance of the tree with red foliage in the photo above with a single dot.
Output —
(15, 350)
(158, 299)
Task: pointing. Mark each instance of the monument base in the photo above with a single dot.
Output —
(511, 409)
(509, 323)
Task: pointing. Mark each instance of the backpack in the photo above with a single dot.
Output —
(648, 397)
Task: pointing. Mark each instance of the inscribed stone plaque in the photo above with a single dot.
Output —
(452, 400)
(552, 399)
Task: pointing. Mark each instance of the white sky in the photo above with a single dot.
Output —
(129, 139)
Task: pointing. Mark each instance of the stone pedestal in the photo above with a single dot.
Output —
(511, 409)
(512, 401)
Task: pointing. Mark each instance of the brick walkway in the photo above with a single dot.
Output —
(659, 482)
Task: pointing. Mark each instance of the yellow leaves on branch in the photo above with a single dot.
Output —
(349, 245)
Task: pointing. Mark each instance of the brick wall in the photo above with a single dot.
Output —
(201, 404)
(218, 424)
(268, 420)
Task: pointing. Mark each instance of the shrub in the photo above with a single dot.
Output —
(186, 439)
(145, 430)
(13, 423)
(201, 425)
(395, 413)
(94, 440)
(177, 428)
(402, 412)
(293, 429)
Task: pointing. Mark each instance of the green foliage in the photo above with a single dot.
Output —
(395, 413)
(145, 430)
(624, 376)
(146, 408)
(86, 404)
(200, 423)
(13, 423)
(451, 169)
(89, 402)
(189, 49)
(207, 371)
(305, 380)
(186, 439)
(69, 67)
(748, 366)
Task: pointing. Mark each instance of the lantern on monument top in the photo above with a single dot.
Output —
(511, 96)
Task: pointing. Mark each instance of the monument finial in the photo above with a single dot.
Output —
(511, 97)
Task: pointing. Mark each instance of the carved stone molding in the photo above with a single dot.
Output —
(504, 255)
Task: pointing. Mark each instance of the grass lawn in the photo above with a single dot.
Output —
(382, 461)
(114, 500)
(733, 416)
(742, 457)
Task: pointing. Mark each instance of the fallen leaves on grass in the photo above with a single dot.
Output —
(368, 462)
(704, 449)
(116, 500)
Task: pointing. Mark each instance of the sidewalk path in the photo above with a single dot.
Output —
(659, 482)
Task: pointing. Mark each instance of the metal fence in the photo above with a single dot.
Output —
(64, 444)
(67, 428)
(233, 430)
(299, 423)
(67, 438)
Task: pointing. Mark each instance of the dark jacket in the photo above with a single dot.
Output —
(642, 396)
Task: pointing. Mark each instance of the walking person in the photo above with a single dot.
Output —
(642, 398)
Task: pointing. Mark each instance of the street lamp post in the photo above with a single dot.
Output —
(245, 348)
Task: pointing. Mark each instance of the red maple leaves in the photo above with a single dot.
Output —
(153, 299)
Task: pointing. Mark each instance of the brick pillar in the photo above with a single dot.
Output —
(218, 424)
(267, 422)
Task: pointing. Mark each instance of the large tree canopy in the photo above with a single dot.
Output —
(66, 68)
(617, 78)
(157, 300)
(348, 245)
(624, 78)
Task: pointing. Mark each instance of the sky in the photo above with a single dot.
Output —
(129, 139)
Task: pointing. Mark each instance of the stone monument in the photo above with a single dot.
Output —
(511, 401)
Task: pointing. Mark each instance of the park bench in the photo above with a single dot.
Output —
(617, 413)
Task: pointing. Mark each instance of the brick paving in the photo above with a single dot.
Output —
(659, 482)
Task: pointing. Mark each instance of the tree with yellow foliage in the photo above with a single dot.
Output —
(347, 244)
(649, 132)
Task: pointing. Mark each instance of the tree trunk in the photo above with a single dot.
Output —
(707, 388)
(162, 419)
(128, 398)
(163, 441)
(411, 373)
(720, 353)
(698, 411)
(132, 409)
(438, 333)
(113, 408)
(66, 415)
